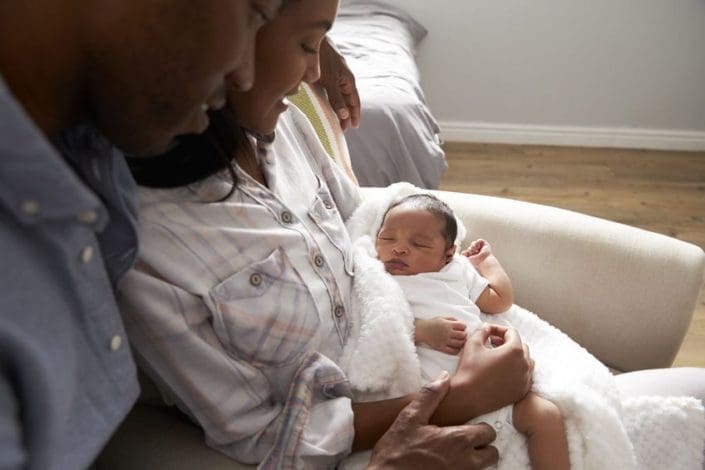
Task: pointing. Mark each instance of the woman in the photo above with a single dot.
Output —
(239, 305)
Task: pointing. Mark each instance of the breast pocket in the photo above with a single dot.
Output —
(264, 313)
(325, 214)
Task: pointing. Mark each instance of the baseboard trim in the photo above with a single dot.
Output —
(612, 137)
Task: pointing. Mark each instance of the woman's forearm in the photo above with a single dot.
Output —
(372, 419)
(486, 379)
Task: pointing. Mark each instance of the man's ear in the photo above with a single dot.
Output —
(449, 254)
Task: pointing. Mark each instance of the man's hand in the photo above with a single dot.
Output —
(339, 83)
(412, 443)
(444, 334)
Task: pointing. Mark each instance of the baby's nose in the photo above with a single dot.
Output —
(399, 249)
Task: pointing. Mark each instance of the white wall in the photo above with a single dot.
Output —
(596, 72)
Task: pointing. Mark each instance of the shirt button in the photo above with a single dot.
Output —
(318, 261)
(87, 254)
(498, 425)
(328, 205)
(87, 217)
(116, 342)
(256, 279)
(339, 311)
(286, 217)
(30, 207)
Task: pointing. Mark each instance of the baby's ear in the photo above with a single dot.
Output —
(449, 253)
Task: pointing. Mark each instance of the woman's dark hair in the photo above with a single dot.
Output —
(435, 206)
(195, 156)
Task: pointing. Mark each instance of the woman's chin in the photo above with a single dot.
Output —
(267, 124)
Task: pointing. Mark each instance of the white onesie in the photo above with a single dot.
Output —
(452, 292)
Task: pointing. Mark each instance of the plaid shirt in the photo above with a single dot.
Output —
(238, 309)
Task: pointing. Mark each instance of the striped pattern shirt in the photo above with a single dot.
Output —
(238, 309)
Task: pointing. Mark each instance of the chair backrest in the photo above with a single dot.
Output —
(313, 102)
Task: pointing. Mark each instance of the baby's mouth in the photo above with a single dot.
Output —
(396, 263)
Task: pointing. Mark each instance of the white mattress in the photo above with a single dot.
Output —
(398, 136)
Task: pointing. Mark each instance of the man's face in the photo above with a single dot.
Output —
(156, 66)
(411, 241)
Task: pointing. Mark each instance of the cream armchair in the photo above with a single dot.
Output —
(625, 294)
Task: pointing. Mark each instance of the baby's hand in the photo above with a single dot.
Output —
(478, 251)
(444, 334)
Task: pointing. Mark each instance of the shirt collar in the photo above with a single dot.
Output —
(38, 183)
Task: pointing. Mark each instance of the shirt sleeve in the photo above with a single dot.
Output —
(475, 282)
(241, 410)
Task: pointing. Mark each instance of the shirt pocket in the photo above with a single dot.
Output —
(265, 314)
(325, 215)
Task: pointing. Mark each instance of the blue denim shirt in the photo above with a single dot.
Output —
(67, 234)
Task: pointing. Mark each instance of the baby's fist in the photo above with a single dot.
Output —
(478, 251)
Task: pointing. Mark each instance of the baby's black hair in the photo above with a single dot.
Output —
(435, 206)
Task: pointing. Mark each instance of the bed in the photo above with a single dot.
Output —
(398, 138)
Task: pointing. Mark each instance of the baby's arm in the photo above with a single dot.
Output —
(498, 295)
(444, 334)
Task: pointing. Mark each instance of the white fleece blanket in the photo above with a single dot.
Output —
(603, 430)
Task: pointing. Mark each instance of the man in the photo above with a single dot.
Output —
(138, 73)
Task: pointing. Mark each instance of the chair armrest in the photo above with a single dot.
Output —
(625, 294)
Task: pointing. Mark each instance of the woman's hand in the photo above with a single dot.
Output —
(487, 378)
(414, 444)
(339, 83)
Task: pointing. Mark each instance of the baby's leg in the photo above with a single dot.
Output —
(542, 424)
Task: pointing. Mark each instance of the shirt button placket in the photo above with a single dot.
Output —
(30, 207)
(115, 343)
(255, 279)
(87, 254)
(88, 217)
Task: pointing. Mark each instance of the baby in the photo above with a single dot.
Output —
(446, 294)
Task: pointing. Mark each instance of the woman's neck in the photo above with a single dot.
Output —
(246, 158)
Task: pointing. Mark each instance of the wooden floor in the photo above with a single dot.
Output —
(656, 190)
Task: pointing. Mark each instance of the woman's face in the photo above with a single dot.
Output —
(286, 54)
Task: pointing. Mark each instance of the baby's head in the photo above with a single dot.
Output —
(417, 235)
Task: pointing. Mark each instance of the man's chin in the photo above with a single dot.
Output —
(148, 150)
